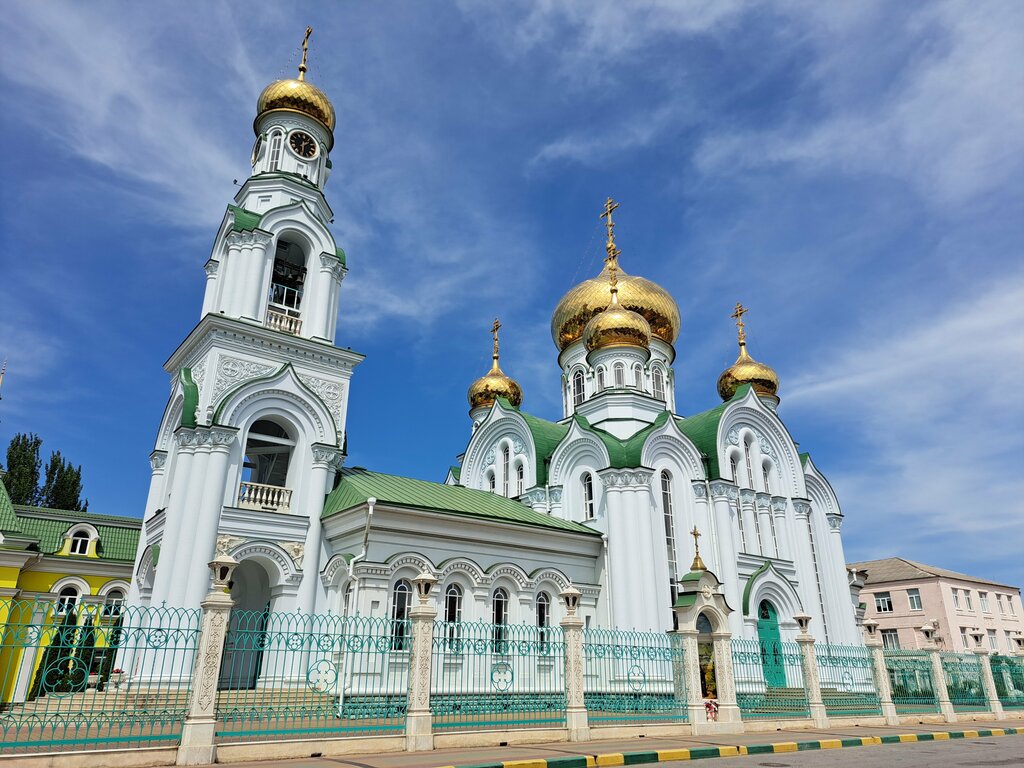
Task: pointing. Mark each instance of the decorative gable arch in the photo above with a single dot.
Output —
(577, 446)
(499, 424)
(297, 218)
(768, 583)
(668, 445)
(772, 437)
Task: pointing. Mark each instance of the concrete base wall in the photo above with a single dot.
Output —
(143, 757)
(499, 738)
(282, 750)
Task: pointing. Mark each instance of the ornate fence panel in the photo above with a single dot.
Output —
(1008, 673)
(497, 676)
(289, 675)
(910, 677)
(963, 681)
(80, 677)
(633, 677)
(769, 680)
(848, 686)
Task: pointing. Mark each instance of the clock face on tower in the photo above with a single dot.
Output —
(302, 144)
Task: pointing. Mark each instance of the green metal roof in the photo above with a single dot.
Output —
(191, 393)
(456, 471)
(546, 437)
(804, 458)
(118, 536)
(341, 256)
(8, 520)
(624, 453)
(357, 485)
(244, 221)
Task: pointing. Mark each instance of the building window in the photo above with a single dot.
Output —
(956, 599)
(967, 600)
(275, 150)
(600, 379)
(588, 496)
(505, 467)
(999, 602)
(67, 598)
(914, 596)
(490, 482)
(80, 543)
(268, 451)
(401, 597)
(750, 473)
(766, 478)
(347, 600)
(883, 602)
(658, 379)
(638, 376)
(963, 638)
(983, 599)
(499, 618)
(113, 603)
(1009, 602)
(577, 388)
(453, 603)
(543, 615)
(620, 375)
(891, 639)
(992, 642)
(670, 527)
(520, 479)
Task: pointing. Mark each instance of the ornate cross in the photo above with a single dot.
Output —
(613, 252)
(738, 317)
(696, 535)
(305, 52)
(494, 333)
(698, 564)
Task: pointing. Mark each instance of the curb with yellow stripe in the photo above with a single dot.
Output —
(702, 753)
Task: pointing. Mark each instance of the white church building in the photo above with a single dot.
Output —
(250, 453)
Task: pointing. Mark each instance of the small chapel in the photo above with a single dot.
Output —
(613, 498)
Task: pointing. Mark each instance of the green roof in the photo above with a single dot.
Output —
(456, 471)
(546, 437)
(357, 485)
(8, 520)
(118, 536)
(624, 453)
(191, 394)
(244, 221)
(804, 458)
(341, 256)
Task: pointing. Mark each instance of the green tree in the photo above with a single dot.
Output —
(53, 674)
(62, 488)
(22, 479)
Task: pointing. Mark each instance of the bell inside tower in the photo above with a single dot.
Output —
(286, 284)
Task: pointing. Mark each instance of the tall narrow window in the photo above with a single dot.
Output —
(750, 472)
(588, 496)
(113, 603)
(499, 618)
(817, 576)
(346, 601)
(66, 599)
(658, 380)
(275, 150)
(766, 478)
(520, 479)
(401, 596)
(577, 388)
(638, 376)
(505, 471)
(453, 603)
(620, 375)
(543, 615)
(967, 600)
(670, 526)
(490, 482)
(735, 470)
(600, 379)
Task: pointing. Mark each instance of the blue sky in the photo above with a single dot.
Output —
(850, 171)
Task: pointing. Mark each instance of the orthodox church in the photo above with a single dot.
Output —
(250, 454)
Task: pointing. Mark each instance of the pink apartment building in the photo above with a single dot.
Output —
(902, 595)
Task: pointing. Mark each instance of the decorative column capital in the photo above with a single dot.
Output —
(700, 489)
(186, 437)
(331, 264)
(157, 460)
(779, 505)
(327, 456)
(763, 502)
(625, 478)
(211, 267)
(835, 522)
(220, 437)
(802, 507)
(721, 489)
(747, 496)
(250, 239)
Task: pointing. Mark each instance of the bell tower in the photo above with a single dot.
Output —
(254, 430)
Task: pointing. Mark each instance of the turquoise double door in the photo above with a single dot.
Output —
(771, 645)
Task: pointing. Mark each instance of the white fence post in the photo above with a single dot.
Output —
(988, 682)
(572, 633)
(874, 645)
(938, 675)
(418, 720)
(812, 682)
(197, 734)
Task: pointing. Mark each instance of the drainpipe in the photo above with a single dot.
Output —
(547, 496)
(608, 581)
(362, 555)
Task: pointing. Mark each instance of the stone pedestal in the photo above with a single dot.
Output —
(941, 685)
(418, 722)
(882, 683)
(812, 682)
(989, 683)
(575, 708)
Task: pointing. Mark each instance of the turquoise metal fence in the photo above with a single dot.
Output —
(633, 677)
(963, 681)
(1008, 673)
(497, 676)
(290, 675)
(769, 680)
(910, 678)
(847, 677)
(92, 676)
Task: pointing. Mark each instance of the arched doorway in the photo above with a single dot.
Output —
(706, 658)
(771, 645)
(243, 645)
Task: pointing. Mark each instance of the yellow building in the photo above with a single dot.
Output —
(58, 568)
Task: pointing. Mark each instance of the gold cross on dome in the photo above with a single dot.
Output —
(305, 52)
(738, 317)
(494, 333)
(696, 535)
(609, 208)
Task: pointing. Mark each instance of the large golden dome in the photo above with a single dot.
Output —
(590, 297)
(616, 326)
(746, 370)
(297, 96)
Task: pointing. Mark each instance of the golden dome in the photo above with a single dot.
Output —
(746, 370)
(616, 326)
(488, 388)
(297, 95)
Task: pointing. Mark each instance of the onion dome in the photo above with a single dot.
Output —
(298, 96)
(747, 370)
(616, 326)
(636, 294)
(495, 383)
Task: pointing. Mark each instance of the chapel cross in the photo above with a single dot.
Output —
(613, 252)
(738, 316)
(698, 564)
(494, 333)
(305, 52)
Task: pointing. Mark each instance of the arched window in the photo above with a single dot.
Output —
(499, 618)
(401, 597)
(268, 451)
(505, 474)
(620, 375)
(600, 378)
(520, 479)
(490, 481)
(577, 388)
(750, 472)
(67, 598)
(670, 527)
(453, 603)
(286, 287)
(276, 140)
(766, 477)
(734, 468)
(80, 543)
(638, 376)
(113, 602)
(658, 378)
(347, 600)
(588, 496)
(543, 615)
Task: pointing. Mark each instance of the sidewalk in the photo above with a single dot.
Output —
(637, 751)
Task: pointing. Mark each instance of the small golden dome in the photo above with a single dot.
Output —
(488, 388)
(616, 326)
(297, 96)
(746, 370)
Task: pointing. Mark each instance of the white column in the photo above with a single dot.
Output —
(881, 671)
(622, 549)
(258, 275)
(764, 515)
(812, 683)
(325, 460)
(237, 277)
(804, 560)
(205, 517)
(210, 295)
(184, 557)
(418, 725)
(750, 527)
(988, 682)
(783, 541)
(157, 462)
(575, 708)
(720, 493)
(181, 469)
(652, 570)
